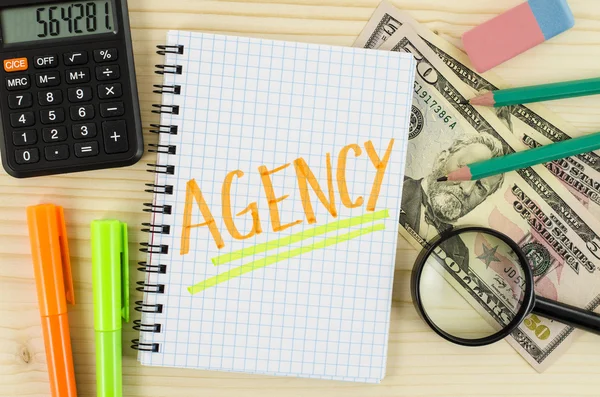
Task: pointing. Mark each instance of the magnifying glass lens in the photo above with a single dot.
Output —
(472, 285)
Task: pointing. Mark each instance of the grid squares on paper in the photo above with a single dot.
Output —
(247, 103)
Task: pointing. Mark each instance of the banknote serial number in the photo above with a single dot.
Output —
(434, 105)
(532, 322)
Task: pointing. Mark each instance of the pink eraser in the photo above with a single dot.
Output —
(517, 30)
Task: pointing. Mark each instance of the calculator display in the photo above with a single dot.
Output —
(57, 21)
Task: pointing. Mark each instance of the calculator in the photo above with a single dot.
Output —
(69, 101)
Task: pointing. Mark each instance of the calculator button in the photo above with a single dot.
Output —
(88, 149)
(48, 79)
(115, 136)
(24, 138)
(45, 61)
(107, 91)
(56, 134)
(47, 98)
(76, 76)
(104, 73)
(25, 119)
(56, 153)
(76, 58)
(80, 94)
(15, 65)
(106, 55)
(52, 116)
(20, 101)
(84, 131)
(18, 83)
(112, 109)
(84, 112)
(27, 156)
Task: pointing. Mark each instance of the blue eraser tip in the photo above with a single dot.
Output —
(553, 16)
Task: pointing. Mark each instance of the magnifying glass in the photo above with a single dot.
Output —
(474, 286)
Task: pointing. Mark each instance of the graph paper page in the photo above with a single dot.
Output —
(287, 183)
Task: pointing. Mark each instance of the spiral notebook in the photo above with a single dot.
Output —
(275, 211)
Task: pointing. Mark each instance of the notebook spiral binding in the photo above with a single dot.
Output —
(155, 208)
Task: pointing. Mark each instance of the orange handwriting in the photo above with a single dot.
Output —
(228, 218)
(305, 178)
(304, 174)
(193, 193)
(341, 176)
(381, 166)
(272, 200)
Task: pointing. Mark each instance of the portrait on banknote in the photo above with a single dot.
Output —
(430, 207)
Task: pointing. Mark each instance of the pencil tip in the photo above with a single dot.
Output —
(442, 179)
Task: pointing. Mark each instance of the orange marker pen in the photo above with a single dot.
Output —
(52, 268)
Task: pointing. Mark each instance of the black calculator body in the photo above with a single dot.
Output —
(69, 98)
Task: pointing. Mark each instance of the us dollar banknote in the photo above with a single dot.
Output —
(380, 27)
(534, 125)
(530, 205)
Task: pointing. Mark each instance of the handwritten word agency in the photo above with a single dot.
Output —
(305, 178)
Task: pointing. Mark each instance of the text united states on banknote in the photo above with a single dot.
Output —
(531, 205)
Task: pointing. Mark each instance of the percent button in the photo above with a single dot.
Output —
(106, 55)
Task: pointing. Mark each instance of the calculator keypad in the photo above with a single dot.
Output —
(56, 153)
(76, 58)
(80, 94)
(74, 101)
(48, 98)
(84, 131)
(27, 156)
(24, 138)
(45, 61)
(115, 137)
(109, 91)
(78, 76)
(52, 116)
(83, 112)
(88, 149)
(20, 82)
(20, 101)
(47, 79)
(105, 73)
(54, 134)
(105, 55)
(113, 109)
(24, 119)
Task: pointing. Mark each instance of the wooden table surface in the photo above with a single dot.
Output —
(419, 363)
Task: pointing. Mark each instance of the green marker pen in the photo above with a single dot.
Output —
(110, 283)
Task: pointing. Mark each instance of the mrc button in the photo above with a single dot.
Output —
(15, 65)
(21, 82)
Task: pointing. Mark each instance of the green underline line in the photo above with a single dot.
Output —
(294, 238)
(269, 260)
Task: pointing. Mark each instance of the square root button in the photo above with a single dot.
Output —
(115, 136)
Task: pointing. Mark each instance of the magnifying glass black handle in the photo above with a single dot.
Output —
(571, 315)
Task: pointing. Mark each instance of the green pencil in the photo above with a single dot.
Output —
(538, 93)
(527, 158)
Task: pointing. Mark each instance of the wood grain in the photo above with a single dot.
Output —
(419, 364)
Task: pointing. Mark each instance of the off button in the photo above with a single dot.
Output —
(15, 65)
(45, 61)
